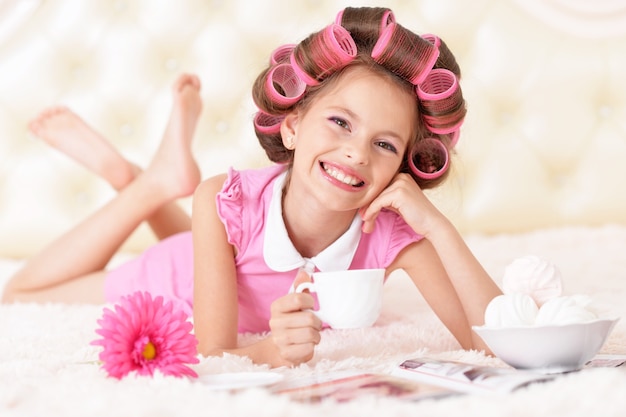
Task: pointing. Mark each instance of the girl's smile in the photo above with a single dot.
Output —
(342, 176)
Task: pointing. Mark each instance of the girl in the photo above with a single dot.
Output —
(358, 118)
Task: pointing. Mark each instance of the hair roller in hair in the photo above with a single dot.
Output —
(440, 127)
(429, 159)
(434, 39)
(454, 138)
(342, 48)
(267, 123)
(281, 54)
(388, 18)
(439, 84)
(328, 50)
(283, 86)
(405, 53)
(306, 78)
(442, 100)
(339, 17)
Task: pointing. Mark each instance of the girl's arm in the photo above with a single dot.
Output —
(442, 266)
(215, 303)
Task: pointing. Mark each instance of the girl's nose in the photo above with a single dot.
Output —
(357, 152)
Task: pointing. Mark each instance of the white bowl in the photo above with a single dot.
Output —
(548, 349)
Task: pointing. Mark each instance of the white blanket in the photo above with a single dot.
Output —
(48, 367)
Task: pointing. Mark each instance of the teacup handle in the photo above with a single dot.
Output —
(303, 286)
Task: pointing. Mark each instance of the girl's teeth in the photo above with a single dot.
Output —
(340, 176)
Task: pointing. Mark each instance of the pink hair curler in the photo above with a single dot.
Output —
(339, 17)
(429, 159)
(388, 18)
(306, 78)
(434, 39)
(454, 138)
(291, 86)
(267, 123)
(440, 95)
(431, 125)
(281, 54)
(342, 48)
(383, 40)
(439, 84)
(331, 49)
(424, 54)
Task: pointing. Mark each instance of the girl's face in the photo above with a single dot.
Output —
(351, 139)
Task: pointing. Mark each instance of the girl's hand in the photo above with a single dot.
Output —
(404, 197)
(442, 266)
(295, 331)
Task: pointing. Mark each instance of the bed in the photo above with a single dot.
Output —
(539, 170)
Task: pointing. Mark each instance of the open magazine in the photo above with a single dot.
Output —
(422, 378)
(466, 377)
(347, 386)
(470, 378)
(606, 360)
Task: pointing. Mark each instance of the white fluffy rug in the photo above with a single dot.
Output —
(47, 366)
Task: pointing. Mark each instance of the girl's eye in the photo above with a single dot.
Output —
(340, 122)
(387, 146)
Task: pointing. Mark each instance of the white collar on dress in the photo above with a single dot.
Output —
(280, 254)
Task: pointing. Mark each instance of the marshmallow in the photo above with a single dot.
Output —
(536, 277)
(510, 310)
(565, 310)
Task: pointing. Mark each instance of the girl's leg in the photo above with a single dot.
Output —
(67, 132)
(82, 253)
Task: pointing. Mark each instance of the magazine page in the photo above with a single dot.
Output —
(467, 377)
(606, 360)
(348, 386)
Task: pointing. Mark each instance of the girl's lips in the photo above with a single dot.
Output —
(341, 176)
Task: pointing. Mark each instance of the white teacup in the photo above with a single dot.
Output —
(347, 299)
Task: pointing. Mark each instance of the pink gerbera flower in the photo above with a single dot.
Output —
(144, 335)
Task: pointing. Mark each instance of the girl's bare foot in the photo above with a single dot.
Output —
(67, 132)
(173, 167)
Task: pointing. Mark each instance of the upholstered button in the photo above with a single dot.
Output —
(221, 126)
(605, 111)
(82, 198)
(505, 117)
(559, 180)
(171, 64)
(120, 6)
(77, 71)
(126, 129)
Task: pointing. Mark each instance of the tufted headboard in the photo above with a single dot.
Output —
(544, 144)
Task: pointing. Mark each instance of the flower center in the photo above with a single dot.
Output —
(149, 351)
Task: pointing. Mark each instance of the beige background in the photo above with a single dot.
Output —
(544, 144)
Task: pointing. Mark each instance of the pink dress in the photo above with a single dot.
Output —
(267, 262)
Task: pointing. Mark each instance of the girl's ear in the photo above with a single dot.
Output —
(288, 130)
